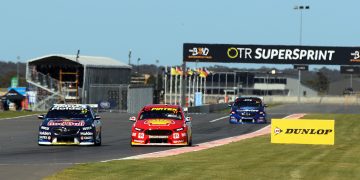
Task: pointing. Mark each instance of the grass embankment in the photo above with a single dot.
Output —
(253, 158)
(10, 114)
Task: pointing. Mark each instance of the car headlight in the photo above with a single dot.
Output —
(138, 129)
(261, 112)
(179, 129)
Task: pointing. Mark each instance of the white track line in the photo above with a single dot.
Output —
(218, 119)
(18, 117)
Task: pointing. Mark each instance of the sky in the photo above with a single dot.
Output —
(156, 30)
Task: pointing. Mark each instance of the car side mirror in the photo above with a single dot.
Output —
(187, 119)
(132, 118)
(97, 117)
(42, 116)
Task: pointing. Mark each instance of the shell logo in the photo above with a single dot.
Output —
(159, 122)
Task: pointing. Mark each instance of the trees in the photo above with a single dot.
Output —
(8, 70)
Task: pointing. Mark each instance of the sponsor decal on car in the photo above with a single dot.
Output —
(141, 135)
(178, 141)
(44, 128)
(159, 122)
(139, 141)
(65, 123)
(158, 137)
(175, 110)
(86, 133)
(44, 133)
(68, 107)
(43, 137)
(86, 137)
(309, 131)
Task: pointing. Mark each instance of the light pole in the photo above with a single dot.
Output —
(300, 8)
(129, 57)
(138, 66)
(157, 81)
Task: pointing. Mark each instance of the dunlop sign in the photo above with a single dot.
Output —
(271, 54)
(309, 131)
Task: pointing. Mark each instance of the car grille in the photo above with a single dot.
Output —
(66, 131)
(158, 132)
(247, 120)
(158, 140)
(65, 139)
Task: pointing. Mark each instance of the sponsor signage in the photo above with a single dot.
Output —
(14, 82)
(309, 131)
(301, 67)
(349, 69)
(271, 54)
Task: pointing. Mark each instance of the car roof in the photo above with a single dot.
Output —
(170, 106)
(249, 97)
(65, 106)
(162, 105)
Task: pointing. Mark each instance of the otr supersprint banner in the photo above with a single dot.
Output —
(271, 54)
(295, 131)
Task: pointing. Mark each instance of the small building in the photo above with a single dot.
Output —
(77, 79)
(15, 99)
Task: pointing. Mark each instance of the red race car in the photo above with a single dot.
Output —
(161, 124)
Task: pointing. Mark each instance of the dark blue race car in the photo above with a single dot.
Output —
(70, 124)
(248, 110)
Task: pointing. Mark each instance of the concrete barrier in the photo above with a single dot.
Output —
(347, 100)
(207, 108)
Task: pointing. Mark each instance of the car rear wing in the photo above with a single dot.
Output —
(92, 106)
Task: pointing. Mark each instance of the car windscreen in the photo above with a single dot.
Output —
(69, 114)
(160, 115)
(249, 102)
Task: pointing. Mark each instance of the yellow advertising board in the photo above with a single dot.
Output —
(303, 131)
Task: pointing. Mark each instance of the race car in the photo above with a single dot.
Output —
(70, 124)
(161, 124)
(248, 110)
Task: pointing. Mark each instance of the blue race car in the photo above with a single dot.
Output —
(248, 110)
(70, 124)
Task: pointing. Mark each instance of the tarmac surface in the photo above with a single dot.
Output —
(22, 158)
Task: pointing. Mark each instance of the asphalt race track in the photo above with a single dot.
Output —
(22, 158)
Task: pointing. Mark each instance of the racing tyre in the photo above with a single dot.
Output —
(98, 141)
(190, 142)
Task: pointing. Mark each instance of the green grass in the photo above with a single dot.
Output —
(10, 114)
(253, 158)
